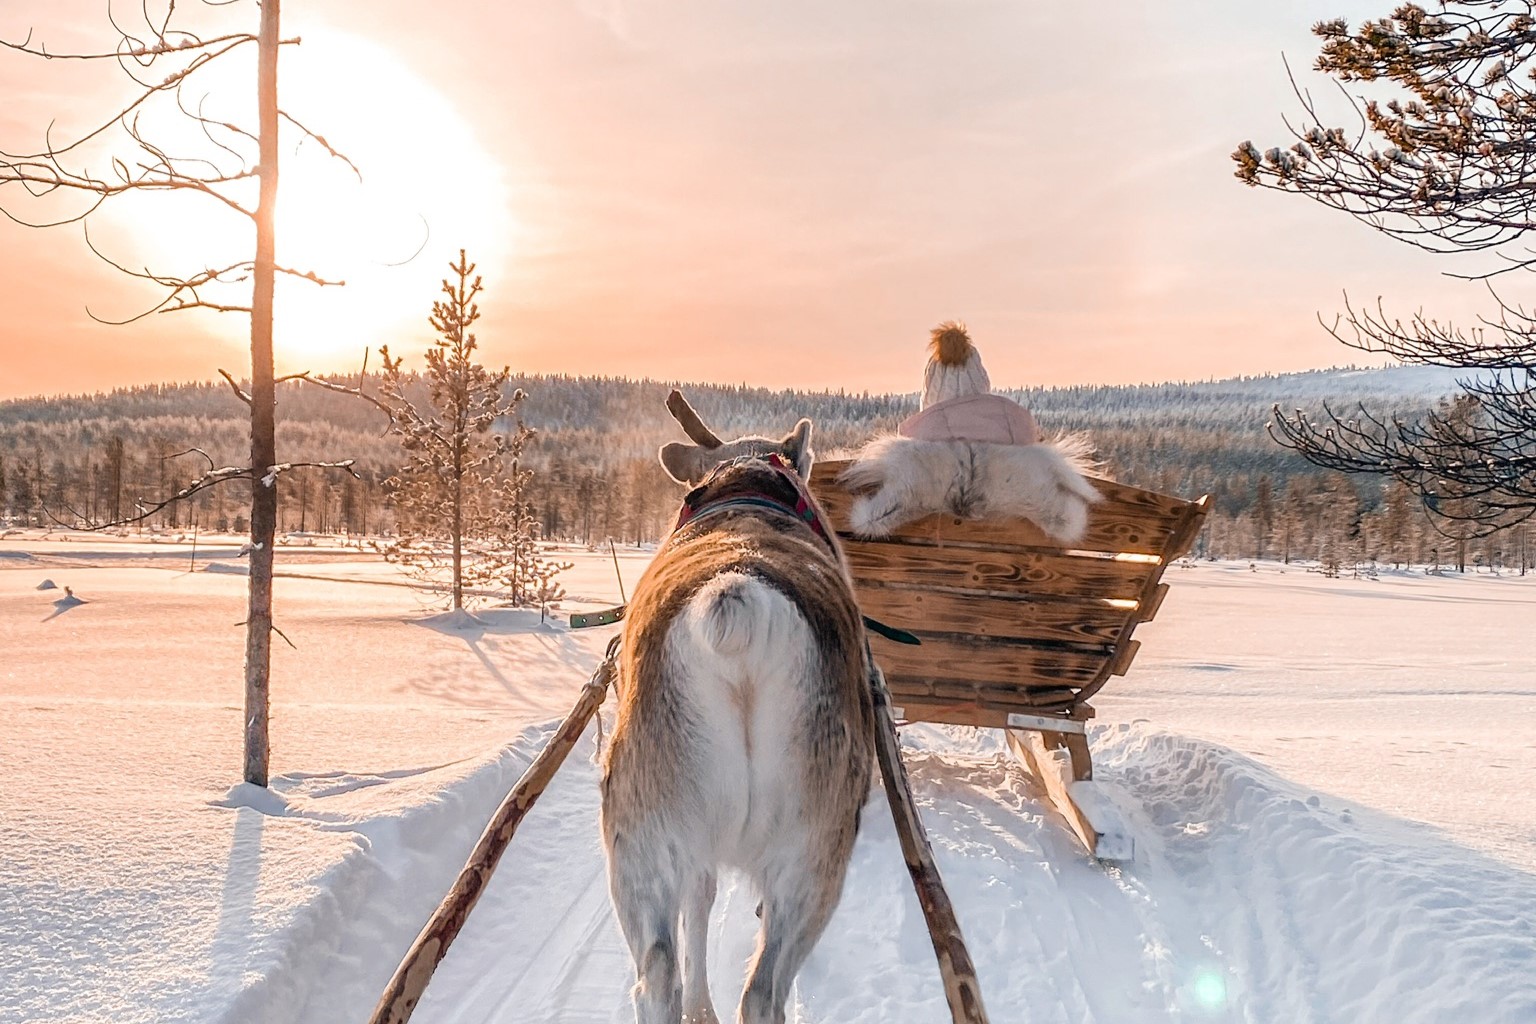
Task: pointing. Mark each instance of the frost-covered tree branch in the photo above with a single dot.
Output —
(1447, 165)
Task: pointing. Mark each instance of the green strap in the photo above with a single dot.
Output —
(602, 617)
(901, 636)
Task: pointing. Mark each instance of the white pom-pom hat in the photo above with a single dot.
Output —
(954, 367)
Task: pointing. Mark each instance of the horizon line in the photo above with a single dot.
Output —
(63, 396)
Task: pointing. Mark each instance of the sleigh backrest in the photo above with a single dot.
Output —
(1011, 622)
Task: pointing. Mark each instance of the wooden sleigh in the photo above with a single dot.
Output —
(1018, 632)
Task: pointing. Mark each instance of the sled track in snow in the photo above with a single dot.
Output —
(543, 944)
(1220, 918)
(570, 975)
(1056, 936)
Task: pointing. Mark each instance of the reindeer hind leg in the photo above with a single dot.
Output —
(797, 903)
(699, 899)
(645, 897)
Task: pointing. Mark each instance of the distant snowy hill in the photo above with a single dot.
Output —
(1408, 381)
(1341, 381)
(601, 420)
(1398, 386)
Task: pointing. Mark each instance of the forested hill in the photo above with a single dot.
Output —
(1144, 432)
(618, 404)
(612, 418)
(598, 436)
(570, 398)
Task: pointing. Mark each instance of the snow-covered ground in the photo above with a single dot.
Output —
(1330, 780)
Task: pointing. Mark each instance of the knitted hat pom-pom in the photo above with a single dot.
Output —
(951, 345)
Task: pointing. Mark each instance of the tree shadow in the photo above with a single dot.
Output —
(474, 627)
(237, 930)
(541, 657)
(489, 665)
(471, 626)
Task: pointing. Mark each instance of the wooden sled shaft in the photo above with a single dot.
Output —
(405, 989)
(961, 988)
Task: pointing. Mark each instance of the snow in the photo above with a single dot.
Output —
(1408, 693)
(1327, 780)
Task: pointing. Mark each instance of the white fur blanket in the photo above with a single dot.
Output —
(899, 479)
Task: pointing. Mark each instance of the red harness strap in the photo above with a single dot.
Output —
(803, 509)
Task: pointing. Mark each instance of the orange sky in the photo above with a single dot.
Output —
(786, 194)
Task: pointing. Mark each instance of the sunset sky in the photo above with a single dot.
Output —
(787, 194)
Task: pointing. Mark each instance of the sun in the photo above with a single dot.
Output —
(428, 188)
(425, 186)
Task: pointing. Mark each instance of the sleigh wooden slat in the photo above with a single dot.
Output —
(1059, 619)
(967, 660)
(1129, 521)
(985, 714)
(1004, 573)
(996, 603)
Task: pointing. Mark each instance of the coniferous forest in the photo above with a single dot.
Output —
(595, 473)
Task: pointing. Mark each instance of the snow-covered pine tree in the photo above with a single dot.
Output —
(444, 495)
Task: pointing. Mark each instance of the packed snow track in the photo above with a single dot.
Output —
(1250, 900)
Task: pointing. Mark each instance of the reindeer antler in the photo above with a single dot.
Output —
(694, 427)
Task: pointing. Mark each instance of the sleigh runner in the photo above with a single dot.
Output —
(1018, 632)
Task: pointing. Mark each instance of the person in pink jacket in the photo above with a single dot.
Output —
(957, 402)
(969, 453)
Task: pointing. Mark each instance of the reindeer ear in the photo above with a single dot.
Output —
(685, 463)
(796, 447)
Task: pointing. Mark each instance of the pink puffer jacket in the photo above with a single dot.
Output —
(992, 418)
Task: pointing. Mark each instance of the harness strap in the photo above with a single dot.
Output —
(802, 509)
(608, 616)
(901, 636)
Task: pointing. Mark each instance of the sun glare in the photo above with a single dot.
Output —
(428, 188)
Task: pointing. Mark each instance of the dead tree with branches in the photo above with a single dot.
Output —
(217, 160)
(1445, 166)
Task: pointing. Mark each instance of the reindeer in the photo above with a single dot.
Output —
(745, 731)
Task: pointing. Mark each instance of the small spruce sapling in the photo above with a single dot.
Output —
(460, 512)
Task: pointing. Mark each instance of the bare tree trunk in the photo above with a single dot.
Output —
(458, 541)
(258, 623)
(460, 424)
(115, 459)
